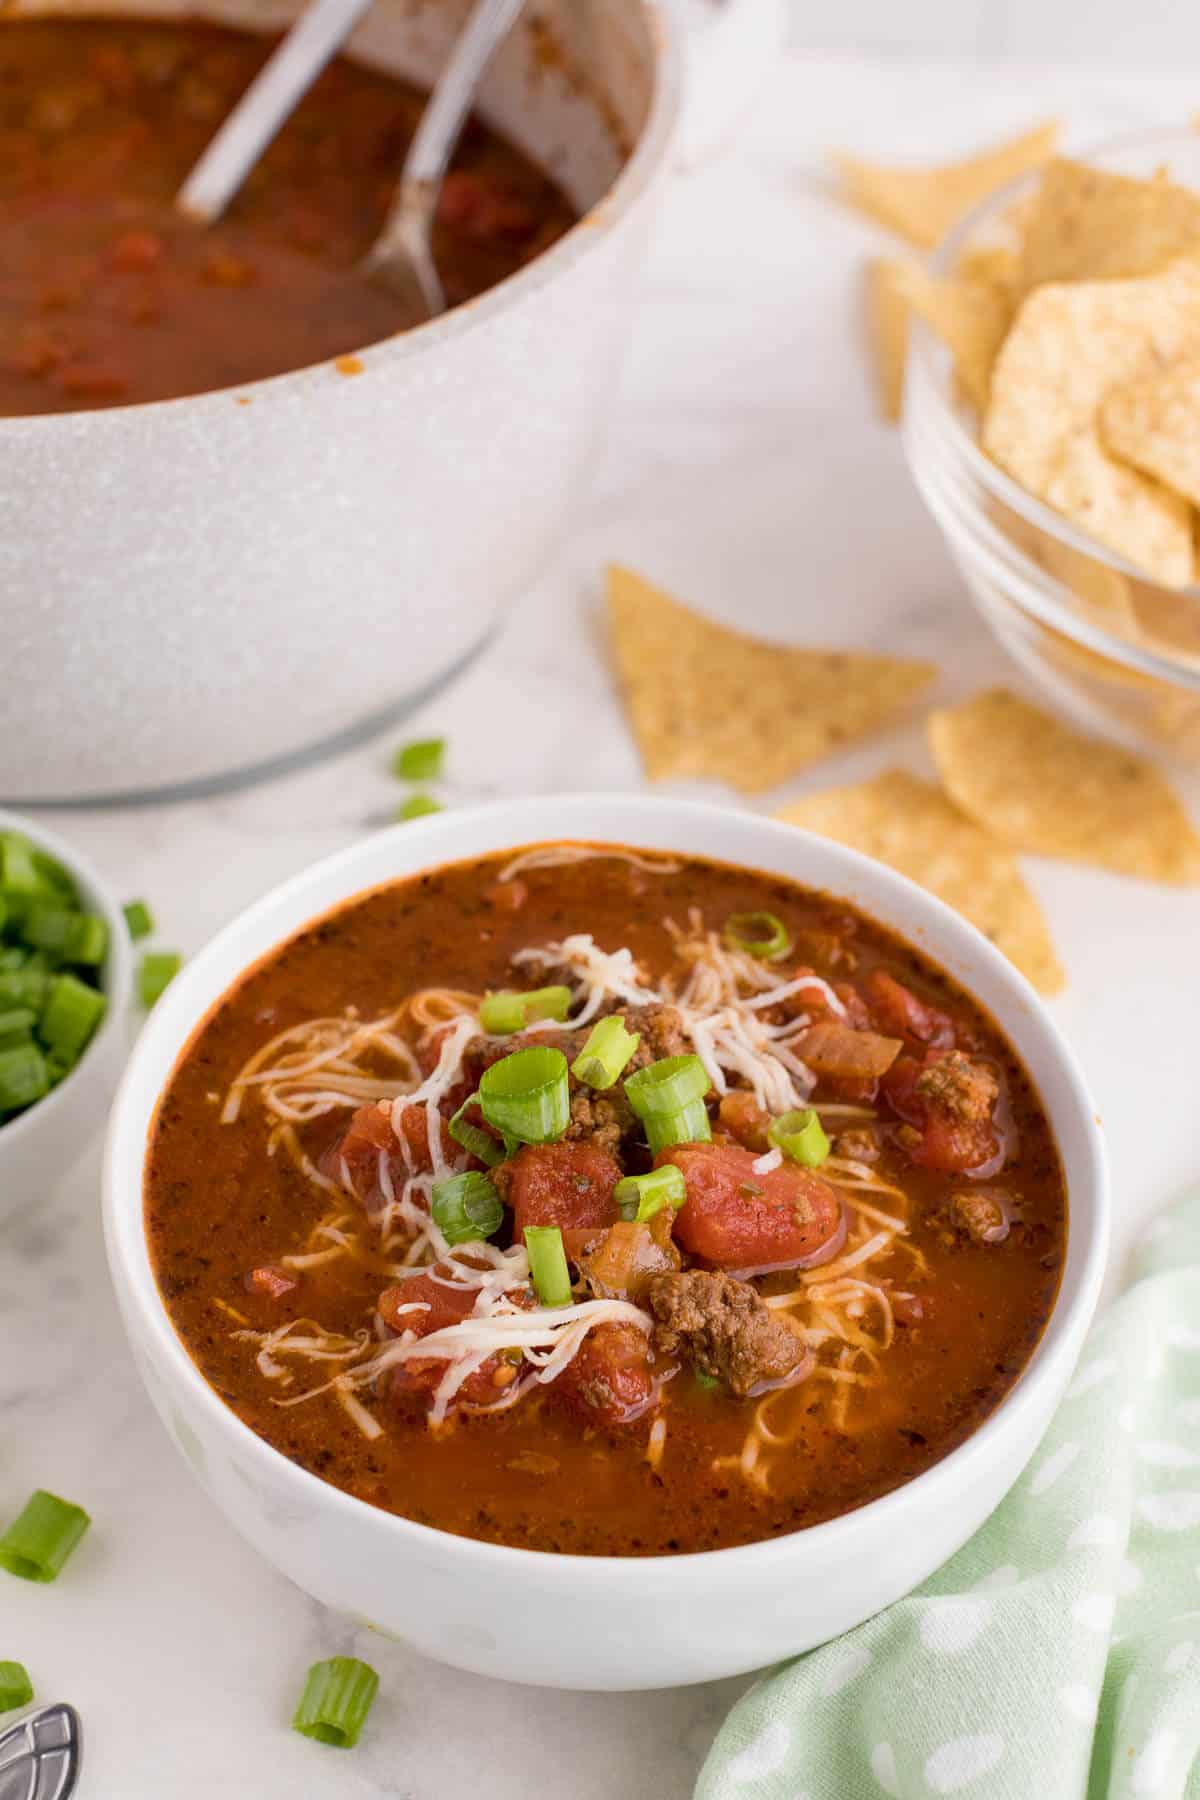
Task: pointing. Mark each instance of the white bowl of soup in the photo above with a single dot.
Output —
(248, 510)
(634, 1241)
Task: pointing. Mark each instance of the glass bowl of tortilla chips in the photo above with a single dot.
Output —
(1052, 424)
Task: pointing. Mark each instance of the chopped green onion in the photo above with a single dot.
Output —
(70, 1016)
(466, 1208)
(24, 987)
(760, 934)
(502, 1013)
(473, 1137)
(19, 875)
(668, 1098)
(417, 806)
(704, 1379)
(801, 1136)
(158, 970)
(53, 877)
(421, 760)
(38, 1543)
(527, 1096)
(336, 1700)
(16, 1689)
(640, 1197)
(17, 1022)
(49, 926)
(138, 919)
(87, 941)
(24, 1077)
(606, 1053)
(548, 1264)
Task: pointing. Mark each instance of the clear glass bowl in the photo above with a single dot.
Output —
(1118, 651)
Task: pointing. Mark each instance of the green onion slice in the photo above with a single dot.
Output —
(38, 1543)
(548, 1264)
(606, 1053)
(526, 1095)
(336, 1700)
(704, 1379)
(24, 1076)
(668, 1098)
(417, 806)
(640, 1197)
(690, 1125)
(801, 1136)
(502, 1013)
(473, 1137)
(138, 918)
(16, 1689)
(760, 934)
(422, 760)
(466, 1208)
(158, 970)
(70, 1016)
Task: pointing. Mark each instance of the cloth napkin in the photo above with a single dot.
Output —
(1057, 1656)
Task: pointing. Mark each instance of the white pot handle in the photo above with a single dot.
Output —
(732, 47)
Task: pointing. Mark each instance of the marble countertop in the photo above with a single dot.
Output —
(744, 468)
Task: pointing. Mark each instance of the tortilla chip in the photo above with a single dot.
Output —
(971, 318)
(1167, 622)
(887, 334)
(708, 702)
(1041, 786)
(910, 825)
(1090, 225)
(995, 266)
(1154, 423)
(922, 204)
(1070, 344)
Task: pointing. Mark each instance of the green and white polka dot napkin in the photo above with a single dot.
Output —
(1057, 1656)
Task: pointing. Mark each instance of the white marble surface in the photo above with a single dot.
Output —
(744, 467)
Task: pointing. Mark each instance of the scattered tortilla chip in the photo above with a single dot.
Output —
(1041, 786)
(971, 318)
(887, 334)
(1091, 225)
(1154, 423)
(910, 825)
(1070, 344)
(922, 204)
(708, 702)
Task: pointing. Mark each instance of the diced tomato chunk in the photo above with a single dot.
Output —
(371, 1134)
(739, 1219)
(568, 1185)
(743, 1118)
(898, 1010)
(935, 1137)
(271, 1283)
(609, 1380)
(443, 1305)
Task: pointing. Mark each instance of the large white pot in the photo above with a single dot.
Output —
(207, 585)
(602, 1622)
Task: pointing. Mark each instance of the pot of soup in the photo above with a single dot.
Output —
(604, 1242)
(249, 504)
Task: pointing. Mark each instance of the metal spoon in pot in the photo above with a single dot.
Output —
(402, 254)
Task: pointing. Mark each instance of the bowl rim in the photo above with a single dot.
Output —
(926, 361)
(193, 995)
(116, 984)
(665, 35)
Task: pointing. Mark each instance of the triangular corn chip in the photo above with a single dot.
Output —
(971, 318)
(1154, 423)
(1092, 225)
(910, 825)
(708, 702)
(1041, 786)
(922, 204)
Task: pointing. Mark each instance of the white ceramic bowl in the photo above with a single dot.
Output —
(602, 1622)
(41, 1143)
(225, 581)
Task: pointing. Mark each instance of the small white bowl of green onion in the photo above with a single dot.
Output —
(65, 984)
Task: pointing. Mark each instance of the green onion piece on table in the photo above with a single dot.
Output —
(640, 1197)
(801, 1137)
(70, 1016)
(606, 1053)
(158, 970)
(473, 1137)
(421, 760)
(548, 1265)
(501, 1013)
(417, 806)
(526, 1096)
(24, 1076)
(466, 1208)
(38, 1543)
(760, 934)
(668, 1098)
(138, 919)
(336, 1700)
(16, 1689)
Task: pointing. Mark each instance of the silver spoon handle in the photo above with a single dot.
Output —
(266, 104)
